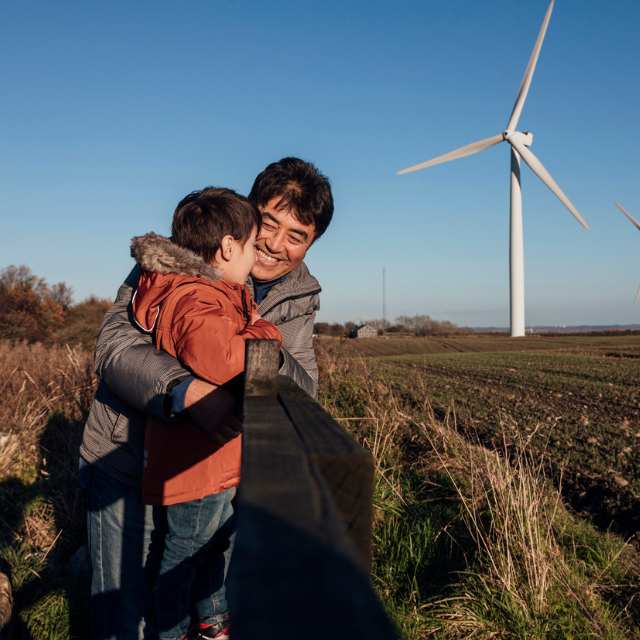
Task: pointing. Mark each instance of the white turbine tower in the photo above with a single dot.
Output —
(636, 224)
(520, 143)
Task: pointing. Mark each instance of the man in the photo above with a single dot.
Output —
(296, 204)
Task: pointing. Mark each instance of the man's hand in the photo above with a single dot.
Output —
(213, 409)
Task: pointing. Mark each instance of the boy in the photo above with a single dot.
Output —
(192, 296)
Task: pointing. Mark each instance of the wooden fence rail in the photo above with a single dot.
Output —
(301, 559)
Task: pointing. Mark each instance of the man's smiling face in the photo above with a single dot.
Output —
(282, 243)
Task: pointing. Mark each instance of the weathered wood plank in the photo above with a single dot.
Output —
(347, 468)
(296, 572)
(262, 359)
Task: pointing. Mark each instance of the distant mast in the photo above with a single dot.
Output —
(384, 298)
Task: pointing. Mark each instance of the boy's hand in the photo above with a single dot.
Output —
(255, 316)
(214, 410)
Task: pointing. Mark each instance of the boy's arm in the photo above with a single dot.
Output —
(127, 361)
(206, 339)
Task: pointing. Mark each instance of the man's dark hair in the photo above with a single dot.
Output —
(301, 187)
(204, 217)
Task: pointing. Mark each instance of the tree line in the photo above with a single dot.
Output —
(418, 325)
(32, 310)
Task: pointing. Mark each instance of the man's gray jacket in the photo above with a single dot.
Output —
(134, 377)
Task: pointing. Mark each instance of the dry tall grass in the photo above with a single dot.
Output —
(36, 381)
(530, 580)
(46, 394)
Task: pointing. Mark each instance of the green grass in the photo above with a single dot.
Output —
(415, 555)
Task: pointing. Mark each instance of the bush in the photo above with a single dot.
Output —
(33, 311)
(29, 309)
(82, 322)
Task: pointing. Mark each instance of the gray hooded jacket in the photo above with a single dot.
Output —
(134, 377)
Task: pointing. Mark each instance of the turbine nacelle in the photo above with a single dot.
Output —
(518, 137)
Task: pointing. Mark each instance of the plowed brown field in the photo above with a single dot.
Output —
(575, 398)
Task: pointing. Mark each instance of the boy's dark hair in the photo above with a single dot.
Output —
(301, 187)
(204, 217)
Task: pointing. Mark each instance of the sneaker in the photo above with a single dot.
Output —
(212, 632)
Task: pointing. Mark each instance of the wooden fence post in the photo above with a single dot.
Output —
(261, 368)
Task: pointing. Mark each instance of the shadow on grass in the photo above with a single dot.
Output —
(43, 535)
(421, 546)
(42, 528)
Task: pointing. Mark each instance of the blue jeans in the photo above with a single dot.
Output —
(193, 571)
(125, 545)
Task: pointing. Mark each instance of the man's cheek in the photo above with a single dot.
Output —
(298, 253)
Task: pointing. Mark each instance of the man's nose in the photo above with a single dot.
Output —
(275, 243)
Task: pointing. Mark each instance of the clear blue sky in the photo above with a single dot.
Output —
(112, 111)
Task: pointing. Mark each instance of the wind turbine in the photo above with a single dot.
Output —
(636, 224)
(520, 142)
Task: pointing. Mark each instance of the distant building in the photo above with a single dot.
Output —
(364, 331)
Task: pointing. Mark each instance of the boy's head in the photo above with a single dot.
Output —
(220, 226)
(296, 205)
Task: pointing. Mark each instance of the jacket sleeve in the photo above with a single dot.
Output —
(127, 361)
(206, 340)
(299, 358)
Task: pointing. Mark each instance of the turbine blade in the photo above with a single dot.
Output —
(629, 217)
(470, 149)
(537, 167)
(638, 295)
(528, 73)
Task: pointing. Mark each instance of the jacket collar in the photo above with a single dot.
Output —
(296, 284)
(167, 267)
(158, 254)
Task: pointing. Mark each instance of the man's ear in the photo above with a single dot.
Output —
(227, 248)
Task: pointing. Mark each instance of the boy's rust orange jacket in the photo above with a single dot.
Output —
(204, 324)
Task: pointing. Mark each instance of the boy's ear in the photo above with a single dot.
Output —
(226, 247)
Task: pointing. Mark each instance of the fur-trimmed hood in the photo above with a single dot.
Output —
(156, 253)
(165, 268)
